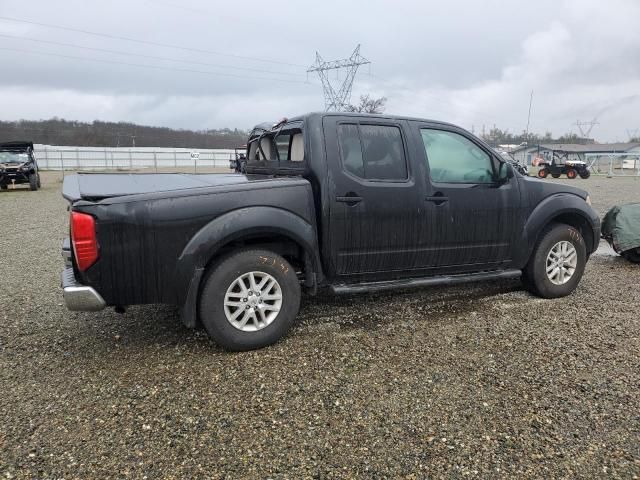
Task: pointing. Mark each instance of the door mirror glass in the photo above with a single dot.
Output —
(504, 172)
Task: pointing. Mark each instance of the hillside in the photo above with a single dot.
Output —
(109, 134)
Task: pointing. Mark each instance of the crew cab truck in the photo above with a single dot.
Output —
(345, 202)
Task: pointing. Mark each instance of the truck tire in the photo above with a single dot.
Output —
(557, 262)
(555, 175)
(249, 300)
(585, 174)
(632, 255)
(33, 181)
(543, 172)
(571, 173)
(39, 183)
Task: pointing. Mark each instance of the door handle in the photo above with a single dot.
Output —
(438, 198)
(350, 199)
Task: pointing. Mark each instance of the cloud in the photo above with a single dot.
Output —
(471, 63)
(571, 74)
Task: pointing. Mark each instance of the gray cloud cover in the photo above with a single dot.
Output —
(468, 62)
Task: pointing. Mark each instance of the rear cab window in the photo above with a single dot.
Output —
(280, 147)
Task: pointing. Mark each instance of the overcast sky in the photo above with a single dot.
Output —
(467, 62)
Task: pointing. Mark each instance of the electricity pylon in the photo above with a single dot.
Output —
(338, 101)
(591, 124)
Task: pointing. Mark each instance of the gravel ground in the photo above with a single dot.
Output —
(482, 380)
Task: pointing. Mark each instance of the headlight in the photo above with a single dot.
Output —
(588, 200)
(25, 169)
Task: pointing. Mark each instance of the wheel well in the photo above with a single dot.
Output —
(288, 248)
(579, 223)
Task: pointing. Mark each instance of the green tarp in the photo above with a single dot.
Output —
(622, 225)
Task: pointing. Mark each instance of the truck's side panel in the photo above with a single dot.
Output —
(145, 238)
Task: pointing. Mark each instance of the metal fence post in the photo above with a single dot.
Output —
(195, 164)
(175, 159)
(130, 160)
(155, 161)
(62, 163)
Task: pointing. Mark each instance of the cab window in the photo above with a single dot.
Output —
(279, 148)
(453, 158)
(373, 152)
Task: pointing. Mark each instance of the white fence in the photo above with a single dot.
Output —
(93, 158)
(614, 164)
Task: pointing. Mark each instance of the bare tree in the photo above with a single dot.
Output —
(368, 105)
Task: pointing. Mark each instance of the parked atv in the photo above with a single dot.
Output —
(621, 228)
(18, 165)
(561, 166)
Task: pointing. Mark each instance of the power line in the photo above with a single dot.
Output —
(153, 57)
(156, 67)
(146, 42)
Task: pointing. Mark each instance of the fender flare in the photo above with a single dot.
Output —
(545, 212)
(231, 226)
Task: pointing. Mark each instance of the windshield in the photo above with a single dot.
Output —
(13, 157)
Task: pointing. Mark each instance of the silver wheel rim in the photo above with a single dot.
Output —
(253, 301)
(561, 262)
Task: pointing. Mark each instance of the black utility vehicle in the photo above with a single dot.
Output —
(347, 202)
(18, 165)
(559, 165)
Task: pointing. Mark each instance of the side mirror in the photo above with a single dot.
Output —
(505, 172)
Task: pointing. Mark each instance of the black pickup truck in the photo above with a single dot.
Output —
(345, 202)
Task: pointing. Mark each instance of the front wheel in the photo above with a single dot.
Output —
(557, 262)
(33, 181)
(249, 300)
(585, 174)
(571, 173)
(543, 172)
(632, 255)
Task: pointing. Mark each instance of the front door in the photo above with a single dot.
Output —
(471, 220)
(375, 205)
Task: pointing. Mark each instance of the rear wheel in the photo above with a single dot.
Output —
(571, 173)
(249, 300)
(543, 172)
(557, 262)
(632, 255)
(555, 175)
(33, 181)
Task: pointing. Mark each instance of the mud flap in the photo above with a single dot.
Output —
(189, 311)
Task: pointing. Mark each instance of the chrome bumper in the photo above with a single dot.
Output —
(77, 297)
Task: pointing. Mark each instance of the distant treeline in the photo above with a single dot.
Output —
(58, 131)
(495, 137)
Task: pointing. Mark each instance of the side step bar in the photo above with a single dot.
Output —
(343, 288)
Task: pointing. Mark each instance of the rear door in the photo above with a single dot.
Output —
(471, 220)
(375, 205)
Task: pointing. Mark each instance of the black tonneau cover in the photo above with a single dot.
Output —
(96, 186)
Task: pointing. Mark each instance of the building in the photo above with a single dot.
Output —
(573, 151)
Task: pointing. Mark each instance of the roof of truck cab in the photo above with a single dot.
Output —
(368, 115)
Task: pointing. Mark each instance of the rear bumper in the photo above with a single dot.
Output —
(77, 297)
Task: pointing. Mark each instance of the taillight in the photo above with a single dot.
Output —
(83, 238)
